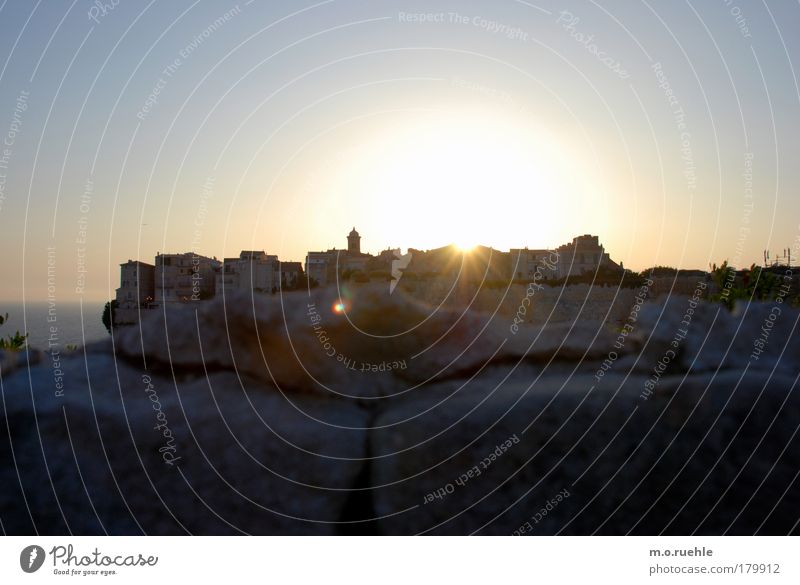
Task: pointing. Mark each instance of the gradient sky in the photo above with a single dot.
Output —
(500, 124)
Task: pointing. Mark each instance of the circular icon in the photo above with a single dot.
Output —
(31, 558)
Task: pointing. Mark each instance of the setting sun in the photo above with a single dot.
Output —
(462, 177)
(465, 245)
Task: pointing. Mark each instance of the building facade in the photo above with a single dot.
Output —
(253, 270)
(322, 267)
(319, 267)
(136, 284)
(226, 276)
(184, 277)
(290, 274)
(583, 254)
(257, 271)
(529, 264)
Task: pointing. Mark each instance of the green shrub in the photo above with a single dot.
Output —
(751, 284)
(12, 342)
(108, 314)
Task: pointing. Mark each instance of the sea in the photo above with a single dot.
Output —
(71, 326)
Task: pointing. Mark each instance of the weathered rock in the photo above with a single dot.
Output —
(11, 360)
(483, 429)
(487, 459)
(238, 455)
(380, 344)
(707, 336)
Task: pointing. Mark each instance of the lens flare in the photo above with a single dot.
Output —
(340, 307)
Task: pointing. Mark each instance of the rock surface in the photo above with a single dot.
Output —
(236, 417)
(759, 335)
(231, 455)
(629, 465)
(298, 343)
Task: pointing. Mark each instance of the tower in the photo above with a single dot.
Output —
(354, 242)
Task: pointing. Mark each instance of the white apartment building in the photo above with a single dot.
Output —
(253, 270)
(136, 284)
(184, 277)
(319, 266)
(525, 263)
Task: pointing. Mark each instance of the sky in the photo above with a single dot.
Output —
(669, 129)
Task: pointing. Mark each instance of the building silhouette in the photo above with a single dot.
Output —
(136, 284)
(354, 242)
(323, 267)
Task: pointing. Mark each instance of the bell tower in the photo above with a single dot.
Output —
(354, 242)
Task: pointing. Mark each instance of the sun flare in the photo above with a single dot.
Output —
(465, 246)
(462, 178)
